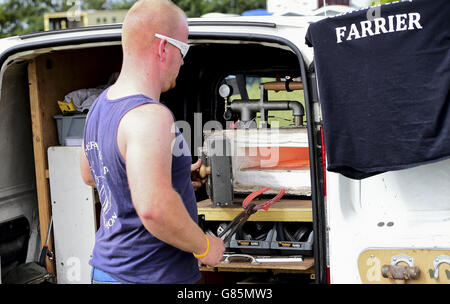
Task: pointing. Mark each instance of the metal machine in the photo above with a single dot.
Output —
(251, 155)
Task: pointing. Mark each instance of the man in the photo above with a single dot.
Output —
(148, 231)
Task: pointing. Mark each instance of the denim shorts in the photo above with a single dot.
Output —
(100, 277)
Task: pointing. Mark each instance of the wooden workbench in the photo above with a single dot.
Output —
(285, 210)
(306, 266)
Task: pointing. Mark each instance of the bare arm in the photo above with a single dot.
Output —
(145, 140)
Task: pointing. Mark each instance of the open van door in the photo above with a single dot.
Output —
(383, 79)
(27, 130)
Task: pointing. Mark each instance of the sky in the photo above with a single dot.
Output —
(360, 3)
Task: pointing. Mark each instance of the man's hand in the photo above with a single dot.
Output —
(196, 180)
(215, 254)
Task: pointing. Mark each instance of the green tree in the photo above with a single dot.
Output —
(22, 16)
(18, 17)
(196, 8)
(377, 2)
(123, 4)
(94, 4)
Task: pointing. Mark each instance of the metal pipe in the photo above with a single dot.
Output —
(249, 107)
(283, 85)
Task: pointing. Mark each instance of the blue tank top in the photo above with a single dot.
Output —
(123, 247)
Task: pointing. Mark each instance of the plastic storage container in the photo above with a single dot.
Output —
(292, 238)
(253, 238)
(70, 129)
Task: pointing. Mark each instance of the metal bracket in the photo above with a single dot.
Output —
(401, 273)
(220, 181)
(438, 261)
(402, 258)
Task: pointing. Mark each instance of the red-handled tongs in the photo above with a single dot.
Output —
(249, 209)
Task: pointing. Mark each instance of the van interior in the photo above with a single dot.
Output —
(34, 82)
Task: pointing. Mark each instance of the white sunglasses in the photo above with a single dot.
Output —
(183, 47)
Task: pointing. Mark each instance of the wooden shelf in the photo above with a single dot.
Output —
(284, 210)
(306, 266)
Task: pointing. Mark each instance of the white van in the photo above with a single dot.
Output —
(362, 231)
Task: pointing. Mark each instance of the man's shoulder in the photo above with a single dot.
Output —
(154, 110)
(148, 117)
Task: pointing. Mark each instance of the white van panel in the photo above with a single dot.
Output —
(400, 209)
(73, 212)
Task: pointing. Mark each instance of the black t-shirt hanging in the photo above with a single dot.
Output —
(384, 80)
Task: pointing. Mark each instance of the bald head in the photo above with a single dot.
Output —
(144, 19)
